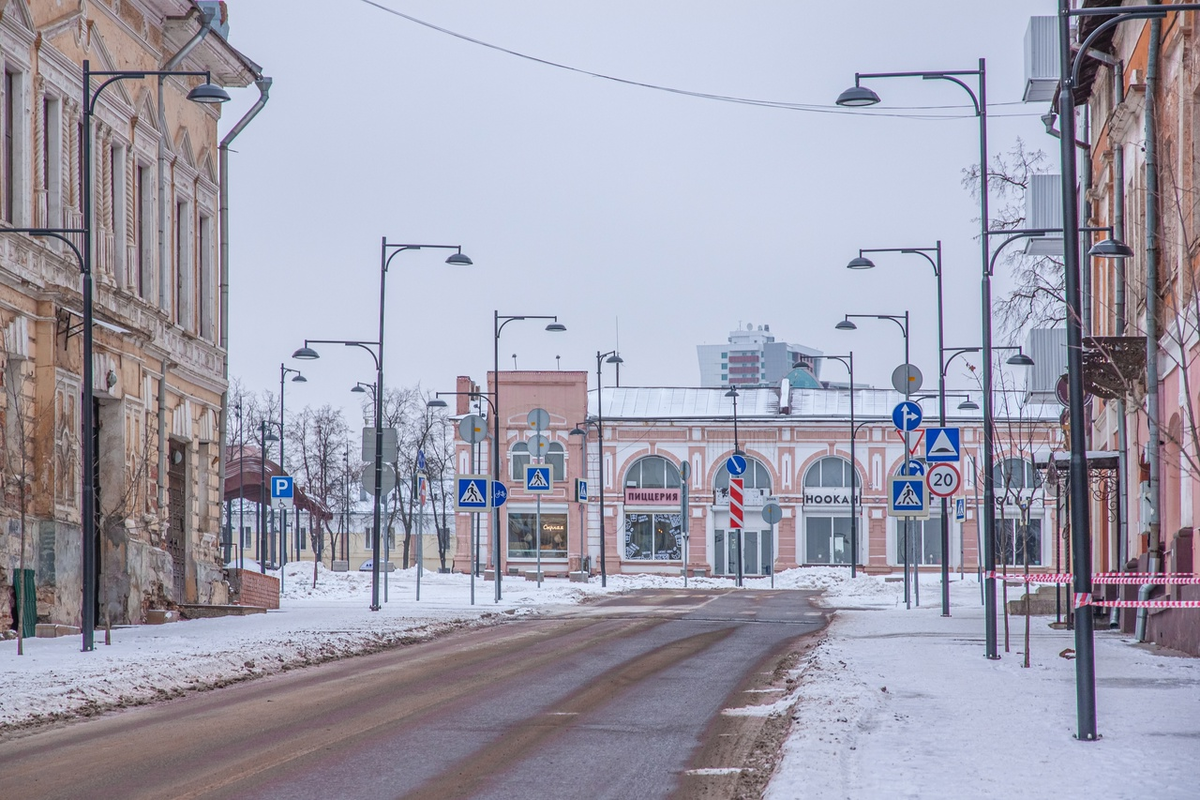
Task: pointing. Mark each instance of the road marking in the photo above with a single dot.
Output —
(715, 771)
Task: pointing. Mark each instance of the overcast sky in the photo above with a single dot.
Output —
(672, 217)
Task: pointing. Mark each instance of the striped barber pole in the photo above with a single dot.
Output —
(735, 503)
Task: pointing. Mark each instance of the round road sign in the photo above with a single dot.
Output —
(772, 513)
(538, 445)
(472, 428)
(943, 479)
(907, 416)
(907, 379)
(388, 481)
(538, 419)
(736, 465)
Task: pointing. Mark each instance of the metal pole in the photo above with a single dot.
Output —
(736, 448)
(1085, 676)
(262, 497)
(241, 488)
(907, 456)
(497, 567)
(378, 432)
(685, 474)
(420, 532)
(283, 469)
(600, 440)
(87, 413)
(942, 423)
(853, 479)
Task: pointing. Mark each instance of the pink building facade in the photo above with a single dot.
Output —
(798, 451)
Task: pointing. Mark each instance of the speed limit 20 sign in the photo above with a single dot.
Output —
(943, 479)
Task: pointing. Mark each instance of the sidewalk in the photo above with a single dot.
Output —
(902, 703)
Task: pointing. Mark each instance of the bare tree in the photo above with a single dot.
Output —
(318, 439)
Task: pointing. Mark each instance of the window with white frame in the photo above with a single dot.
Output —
(207, 284)
(518, 454)
(653, 472)
(926, 540)
(756, 476)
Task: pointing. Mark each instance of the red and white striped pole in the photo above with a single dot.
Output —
(736, 502)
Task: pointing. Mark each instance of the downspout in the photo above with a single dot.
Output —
(162, 438)
(1121, 546)
(264, 88)
(1154, 549)
(164, 286)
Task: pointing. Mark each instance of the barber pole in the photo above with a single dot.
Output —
(735, 504)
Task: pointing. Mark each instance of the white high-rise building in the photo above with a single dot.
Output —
(752, 357)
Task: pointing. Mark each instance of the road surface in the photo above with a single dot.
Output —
(620, 699)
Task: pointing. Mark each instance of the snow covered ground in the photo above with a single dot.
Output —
(901, 704)
(895, 703)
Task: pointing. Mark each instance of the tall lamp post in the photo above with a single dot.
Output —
(847, 324)
(848, 361)
(611, 357)
(297, 377)
(737, 451)
(934, 256)
(498, 322)
(265, 436)
(208, 93)
(581, 430)
(387, 252)
(1070, 60)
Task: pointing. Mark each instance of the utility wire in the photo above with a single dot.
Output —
(808, 107)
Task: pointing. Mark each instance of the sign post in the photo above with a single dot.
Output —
(771, 514)
(736, 465)
(685, 474)
(539, 420)
(907, 417)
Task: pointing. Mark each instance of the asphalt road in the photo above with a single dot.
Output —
(616, 700)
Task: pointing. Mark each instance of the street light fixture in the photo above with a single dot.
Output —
(387, 251)
(498, 322)
(297, 377)
(266, 436)
(934, 256)
(846, 325)
(611, 357)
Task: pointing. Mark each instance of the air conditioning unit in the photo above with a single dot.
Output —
(1041, 59)
(1043, 209)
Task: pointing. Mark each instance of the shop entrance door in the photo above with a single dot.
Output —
(758, 552)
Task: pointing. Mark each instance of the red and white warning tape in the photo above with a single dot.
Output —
(1104, 578)
(1085, 599)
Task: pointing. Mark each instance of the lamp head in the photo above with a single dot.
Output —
(208, 93)
(733, 392)
(861, 262)
(270, 437)
(1111, 248)
(1020, 360)
(436, 402)
(556, 327)
(306, 353)
(578, 431)
(298, 378)
(968, 405)
(359, 389)
(614, 359)
(857, 97)
(459, 260)
(845, 325)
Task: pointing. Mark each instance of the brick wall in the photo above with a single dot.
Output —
(249, 588)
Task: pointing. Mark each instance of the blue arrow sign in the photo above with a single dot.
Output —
(282, 487)
(470, 493)
(943, 444)
(420, 460)
(499, 494)
(915, 466)
(907, 416)
(736, 465)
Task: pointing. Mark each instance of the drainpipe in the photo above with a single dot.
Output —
(1152, 410)
(164, 284)
(162, 437)
(264, 88)
(1121, 546)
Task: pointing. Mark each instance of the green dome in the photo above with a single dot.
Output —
(800, 378)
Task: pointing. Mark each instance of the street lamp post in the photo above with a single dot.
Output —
(580, 430)
(902, 321)
(498, 322)
(737, 451)
(935, 261)
(284, 371)
(387, 252)
(611, 357)
(848, 361)
(208, 93)
(1070, 60)
(265, 436)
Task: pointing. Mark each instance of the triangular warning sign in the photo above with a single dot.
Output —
(471, 495)
(941, 446)
(537, 479)
(908, 498)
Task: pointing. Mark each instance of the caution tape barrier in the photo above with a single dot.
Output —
(1104, 578)
(1085, 599)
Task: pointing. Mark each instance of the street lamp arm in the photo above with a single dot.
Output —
(500, 327)
(54, 233)
(940, 75)
(948, 76)
(117, 75)
(400, 248)
(469, 394)
(957, 351)
(1123, 14)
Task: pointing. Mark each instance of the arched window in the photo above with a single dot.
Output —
(831, 472)
(1015, 474)
(519, 453)
(556, 457)
(653, 472)
(756, 476)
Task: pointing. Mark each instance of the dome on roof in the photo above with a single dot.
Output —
(800, 378)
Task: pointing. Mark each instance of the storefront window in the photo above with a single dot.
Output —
(926, 540)
(826, 540)
(653, 472)
(1015, 541)
(758, 551)
(654, 537)
(522, 535)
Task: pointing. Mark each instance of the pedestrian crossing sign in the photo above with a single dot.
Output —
(960, 509)
(471, 493)
(537, 478)
(907, 497)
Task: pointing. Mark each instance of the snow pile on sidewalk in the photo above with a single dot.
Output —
(900, 703)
